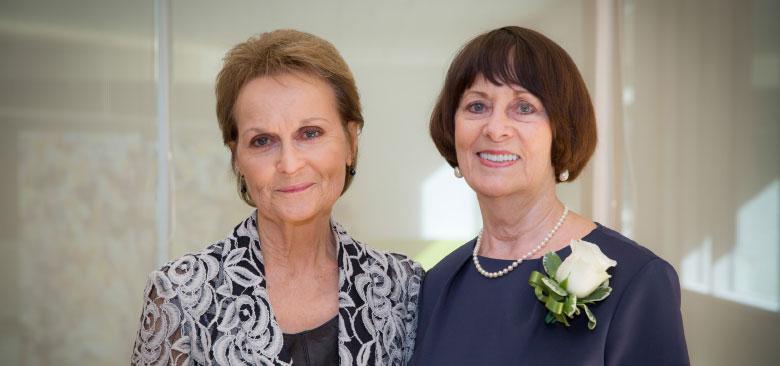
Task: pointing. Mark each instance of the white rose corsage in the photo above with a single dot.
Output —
(571, 286)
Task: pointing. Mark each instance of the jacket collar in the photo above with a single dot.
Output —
(350, 256)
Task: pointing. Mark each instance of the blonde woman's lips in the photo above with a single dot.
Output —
(497, 158)
(295, 188)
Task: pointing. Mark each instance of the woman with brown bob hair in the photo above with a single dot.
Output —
(514, 119)
(288, 285)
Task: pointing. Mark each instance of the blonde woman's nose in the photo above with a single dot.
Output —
(290, 160)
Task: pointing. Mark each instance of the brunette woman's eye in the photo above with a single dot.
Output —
(526, 108)
(476, 107)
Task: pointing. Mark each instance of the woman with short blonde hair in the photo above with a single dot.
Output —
(288, 284)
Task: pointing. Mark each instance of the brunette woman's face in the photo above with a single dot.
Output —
(503, 140)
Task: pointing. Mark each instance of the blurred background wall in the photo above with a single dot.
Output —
(691, 157)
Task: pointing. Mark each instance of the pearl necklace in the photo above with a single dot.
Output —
(517, 262)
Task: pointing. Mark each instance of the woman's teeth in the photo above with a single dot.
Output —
(498, 158)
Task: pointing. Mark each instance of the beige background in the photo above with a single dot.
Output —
(698, 152)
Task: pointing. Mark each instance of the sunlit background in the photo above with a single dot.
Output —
(105, 174)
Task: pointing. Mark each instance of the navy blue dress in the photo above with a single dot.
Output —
(467, 319)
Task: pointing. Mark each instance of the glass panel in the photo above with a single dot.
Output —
(77, 189)
(702, 184)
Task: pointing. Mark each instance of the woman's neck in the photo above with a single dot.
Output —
(298, 247)
(514, 225)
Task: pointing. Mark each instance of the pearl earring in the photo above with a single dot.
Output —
(564, 176)
(457, 173)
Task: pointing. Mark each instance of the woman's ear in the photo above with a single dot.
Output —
(232, 146)
(353, 130)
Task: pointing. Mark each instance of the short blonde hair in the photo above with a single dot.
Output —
(279, 52)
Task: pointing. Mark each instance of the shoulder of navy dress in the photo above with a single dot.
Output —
(645, 306)
(646, 295)
(446, 268)
(631, 257)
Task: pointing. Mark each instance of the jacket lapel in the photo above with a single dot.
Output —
(352, 306)
(349, 257)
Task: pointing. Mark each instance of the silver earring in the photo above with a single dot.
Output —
(564, 176)
(457, 173)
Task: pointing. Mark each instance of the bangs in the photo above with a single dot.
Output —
(503, 59)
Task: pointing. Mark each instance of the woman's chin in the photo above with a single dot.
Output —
(300, 216)
(494, 188)
(294, 215)
(299, 207)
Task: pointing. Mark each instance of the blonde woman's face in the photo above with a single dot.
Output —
(292, 147)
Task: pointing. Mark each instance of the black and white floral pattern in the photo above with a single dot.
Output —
(212, 308)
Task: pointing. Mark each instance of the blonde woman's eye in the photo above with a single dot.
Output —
(526, 108)
(260, 141)
(311, 133)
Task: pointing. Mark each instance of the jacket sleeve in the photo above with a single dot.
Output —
(647, 328)
(413, 287)
(160, 339)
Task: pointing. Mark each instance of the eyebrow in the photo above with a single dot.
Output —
(300, 123)
(519, 91)
(312, 119)
(477, 92)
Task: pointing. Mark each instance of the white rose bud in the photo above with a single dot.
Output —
(586, 268)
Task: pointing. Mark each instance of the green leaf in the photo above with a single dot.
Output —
(591, 317)
(539, 292)
(549, 318)
(570, 305)
(554, 287)
(535, 279)
(598, 294)
(565, 284)
(562, 319)
(551, 262)
(554, 306)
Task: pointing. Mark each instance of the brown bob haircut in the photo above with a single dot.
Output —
(281, 52)
(520, 56)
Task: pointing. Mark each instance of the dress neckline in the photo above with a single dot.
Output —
(560, 252)
(326, 325)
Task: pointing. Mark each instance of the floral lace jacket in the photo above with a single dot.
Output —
(212, 308)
